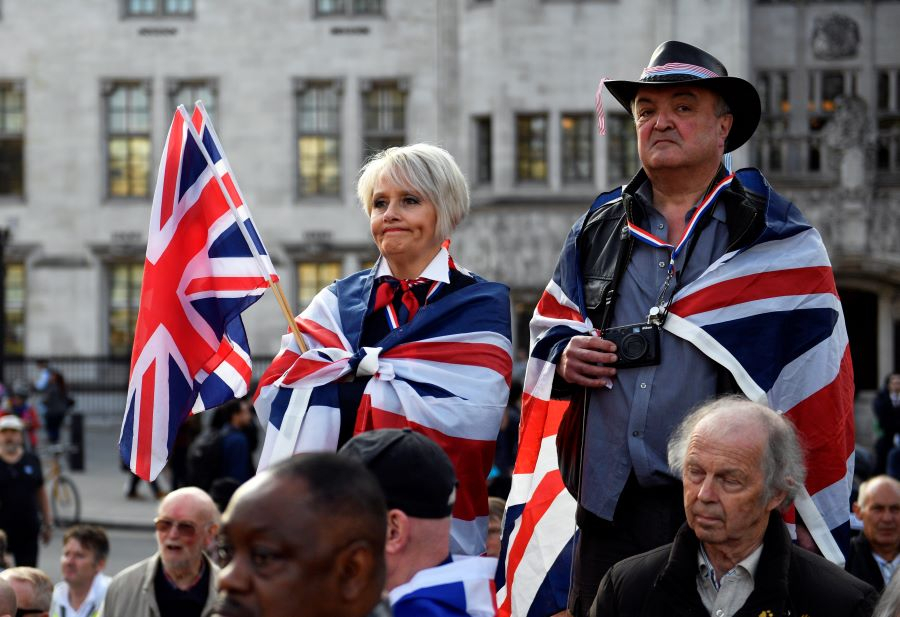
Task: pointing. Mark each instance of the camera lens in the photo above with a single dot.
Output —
(633, 347)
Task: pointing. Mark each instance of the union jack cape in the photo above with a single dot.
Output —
(445, 374)
(769, 313)
(205, 264)
(463, 586)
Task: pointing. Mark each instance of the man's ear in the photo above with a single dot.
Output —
(355, 568)
(397, 532)
(726, 121)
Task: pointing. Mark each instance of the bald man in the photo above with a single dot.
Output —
(875, 553)
(7, 599)
(32, 588)
(179, 580)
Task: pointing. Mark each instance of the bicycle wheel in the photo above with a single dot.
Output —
(65, 502)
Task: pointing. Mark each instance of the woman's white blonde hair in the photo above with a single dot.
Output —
(426, 169)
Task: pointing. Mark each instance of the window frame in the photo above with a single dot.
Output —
(9, 311)
(160, 11)
(108, 89)
(348, 9)
(15, 85)
(319, 262)
(395, 137)
(620, 126)
(302, 86)
(133, 292)
(482, 159)
(175, 84)
(531, 159)
(588, 119)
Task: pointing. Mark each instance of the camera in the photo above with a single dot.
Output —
(636, 344)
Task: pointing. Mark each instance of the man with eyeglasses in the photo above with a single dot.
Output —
(179, 580)
(33, 590)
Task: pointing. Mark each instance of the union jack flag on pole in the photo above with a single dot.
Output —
(205, 265)
(770, 314)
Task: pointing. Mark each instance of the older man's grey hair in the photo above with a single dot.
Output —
(783, 467)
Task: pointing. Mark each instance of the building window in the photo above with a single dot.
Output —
(188, 91)
(577, 147)
(127, 108)
(124, 299)
(622, 161)
(772, 139)
(531, 147)
(318, 137)
(349, 7)
(384, 115)
(12, 131)
(823, 95)
(158, 8)
(888, 117)
(483, 169)
(312, 276)
(14, 345)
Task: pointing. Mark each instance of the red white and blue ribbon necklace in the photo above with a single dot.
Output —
(708, 203)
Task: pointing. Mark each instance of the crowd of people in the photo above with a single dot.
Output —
(391, 421)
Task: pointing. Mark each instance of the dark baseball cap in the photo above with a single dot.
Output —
(415, 474)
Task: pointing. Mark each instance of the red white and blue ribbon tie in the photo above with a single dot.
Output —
(707, 203)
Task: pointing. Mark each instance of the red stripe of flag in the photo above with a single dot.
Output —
(278, 367)
(145, 424)
(226, 283)
(551, 485)
(468, 354)
(323, 335)
(542, 420)
(824, 421)
(173, 161)
(550, 307)
(790, 282)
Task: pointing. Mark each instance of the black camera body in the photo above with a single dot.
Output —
(636, 344)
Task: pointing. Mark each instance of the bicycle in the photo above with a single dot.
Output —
(65, 502)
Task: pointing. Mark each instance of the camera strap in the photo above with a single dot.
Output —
(686, 243)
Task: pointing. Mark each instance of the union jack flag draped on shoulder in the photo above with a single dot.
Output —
(445, 374)
(205, 265)
(770, 314)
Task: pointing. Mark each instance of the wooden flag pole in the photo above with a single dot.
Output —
(286, 309)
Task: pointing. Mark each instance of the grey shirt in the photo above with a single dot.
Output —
(629, 424)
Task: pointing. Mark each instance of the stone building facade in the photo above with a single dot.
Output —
(302, 90)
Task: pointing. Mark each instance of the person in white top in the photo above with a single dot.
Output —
(81, 592)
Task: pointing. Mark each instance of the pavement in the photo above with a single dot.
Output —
(102, 485)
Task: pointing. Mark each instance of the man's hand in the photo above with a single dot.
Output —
(582, 362)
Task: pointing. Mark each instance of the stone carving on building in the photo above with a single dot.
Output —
(834, 37)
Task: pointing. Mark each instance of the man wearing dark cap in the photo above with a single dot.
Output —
(419, 485)
(633, 365)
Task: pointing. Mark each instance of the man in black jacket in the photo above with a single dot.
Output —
(875, 553)
(740, 464)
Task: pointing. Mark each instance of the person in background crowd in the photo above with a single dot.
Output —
(741, 464)
(19, 407)
(887, 411)
(24, 507)
(875, 553)
(179, 580)
(33, 590)
(318, 554)
(237, 461)
(7, 600)
(81, 592)
(507, 444)
(495, 526)
(187, 433)
(56, 404)
(419, 485)
(41, 381)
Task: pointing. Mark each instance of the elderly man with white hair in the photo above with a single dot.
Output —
(741, 464)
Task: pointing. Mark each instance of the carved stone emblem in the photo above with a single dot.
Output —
(835, 36)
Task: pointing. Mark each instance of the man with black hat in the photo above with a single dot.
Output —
(419, 485)
(632, 376)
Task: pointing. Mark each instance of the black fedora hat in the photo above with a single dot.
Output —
(677, 62)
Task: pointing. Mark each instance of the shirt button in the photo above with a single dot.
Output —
(720, 613)
(643, 386)
(662, 264)
(660, 226)
(636, 434)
